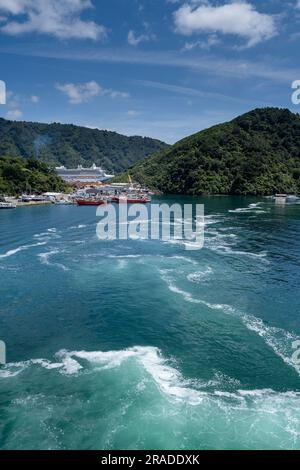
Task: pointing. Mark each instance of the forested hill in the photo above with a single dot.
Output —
(69, 145)
(18, 176)
(256, 153)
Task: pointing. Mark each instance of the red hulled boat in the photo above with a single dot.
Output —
(90, 202)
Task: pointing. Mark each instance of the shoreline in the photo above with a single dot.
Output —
(208, 196)
(33, 203)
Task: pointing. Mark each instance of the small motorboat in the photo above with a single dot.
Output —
(7, 205)
(63, 202)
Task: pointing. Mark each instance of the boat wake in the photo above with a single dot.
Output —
(188, 297)
(254, 208)
(44, 258)
(279, 340)
(198, 276)
(168, 379)
(144, 387)
(13, 252)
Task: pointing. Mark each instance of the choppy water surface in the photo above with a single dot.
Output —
(141, 344)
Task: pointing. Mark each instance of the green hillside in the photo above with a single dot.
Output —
(18, 175)
(69, 145)
(256, 153)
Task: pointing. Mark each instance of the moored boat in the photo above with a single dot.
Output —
(132, 199)
(63, 202)
(7, 205)
(90, 202)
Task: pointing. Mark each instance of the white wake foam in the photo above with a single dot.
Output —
(227, 250)
(67, 366)
(252, 208)
(45, 259)
(213, 219)
(165, 276)
(199, 275)
(258, 415)
(167, 378)
(79, 226)
(279, 340)
(124, 256)
(10, 253)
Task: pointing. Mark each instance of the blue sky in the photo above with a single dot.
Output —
(161, 68)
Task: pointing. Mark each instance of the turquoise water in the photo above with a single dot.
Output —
(143, 345)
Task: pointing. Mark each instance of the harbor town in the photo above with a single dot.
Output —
(89, 186)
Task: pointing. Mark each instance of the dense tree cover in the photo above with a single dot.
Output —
(18, 175)
(257, 153)
(69, 145)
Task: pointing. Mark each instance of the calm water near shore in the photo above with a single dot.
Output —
(144, 345)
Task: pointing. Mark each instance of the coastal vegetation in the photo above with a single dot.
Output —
(257, 153)
(69, 145)
(18, 175)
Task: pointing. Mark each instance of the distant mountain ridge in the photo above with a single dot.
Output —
(257, 153)
(70, 145)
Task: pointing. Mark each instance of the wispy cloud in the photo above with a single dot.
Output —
(217, 67)
(270, 68)
(135, 39)
(132, 113)
(15, 103)
(192, 92)
(84, 92)
(207, 44)
(116, 94)
(168, 127)
(58, 18)
(14, 114)
(34, 99)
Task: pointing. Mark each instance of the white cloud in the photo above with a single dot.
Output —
(132, 113)
(116, 94)
(34, 99)
(58, 18)
(211, 41)
(14, 100)
(238, 18)
(135, 40)
(84, 92)
(14, 114)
